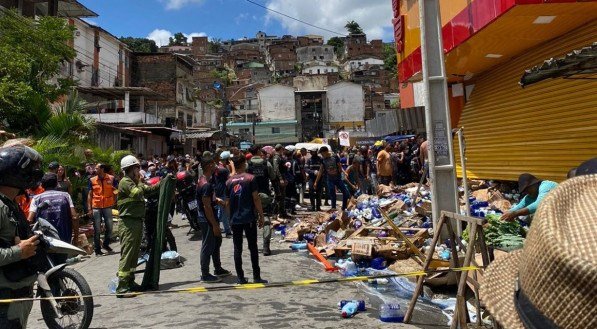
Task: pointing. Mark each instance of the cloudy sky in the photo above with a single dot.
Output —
(235, 19)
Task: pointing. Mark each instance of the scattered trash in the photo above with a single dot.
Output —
(361, 307)
(391, 313)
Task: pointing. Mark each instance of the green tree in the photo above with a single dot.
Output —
(353, 27)
(178, 40)
(32, 54)
(214, 45)
(390, 58)
(140, 45)
(338, 44)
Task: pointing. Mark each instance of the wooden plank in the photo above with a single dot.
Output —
(360, 248)
(472, 220)
(401, 235)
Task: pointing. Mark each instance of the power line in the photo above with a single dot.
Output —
(293, 18)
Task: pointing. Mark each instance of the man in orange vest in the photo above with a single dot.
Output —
(101, 199)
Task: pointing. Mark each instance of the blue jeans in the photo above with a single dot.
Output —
(332, 183)
(98, 214)
(224, 218)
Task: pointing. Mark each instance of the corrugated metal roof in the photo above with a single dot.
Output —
(202, 134)
(578, 63)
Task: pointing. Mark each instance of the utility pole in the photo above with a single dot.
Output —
(437, 112)
(225, 110)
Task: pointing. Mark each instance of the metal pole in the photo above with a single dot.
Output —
(437, 112)
(462, 147)
(224, 118)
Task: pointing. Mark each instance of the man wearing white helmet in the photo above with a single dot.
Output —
(131, 207)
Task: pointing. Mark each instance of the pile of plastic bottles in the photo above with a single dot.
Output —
(366, 210)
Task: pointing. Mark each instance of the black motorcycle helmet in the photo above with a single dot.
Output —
(20, 167)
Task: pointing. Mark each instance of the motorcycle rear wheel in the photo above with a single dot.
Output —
(77, 312)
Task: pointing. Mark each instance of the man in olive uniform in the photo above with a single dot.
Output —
(264, 174)
(131, 206)
(19, 170)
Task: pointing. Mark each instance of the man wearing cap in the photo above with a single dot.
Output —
(53, 167)
(101, 199)
(550, 283)
(210, 227)
(534, 190)
(218, 179)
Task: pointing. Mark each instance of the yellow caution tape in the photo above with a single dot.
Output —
(251, 286)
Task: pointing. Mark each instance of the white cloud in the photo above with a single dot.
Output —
(162, 37)
(177, 4)
(241, 17)
(374, 16)
(90, 21)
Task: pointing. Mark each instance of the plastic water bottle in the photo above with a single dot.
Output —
(444, 254)
(378, 282)
(378, 263)
(299, 246)
(350, 309)
(348, 268)
(112, 285)
(391, 313)
(360, 304)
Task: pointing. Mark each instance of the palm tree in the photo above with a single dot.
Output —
(353, 27)
(67, 120)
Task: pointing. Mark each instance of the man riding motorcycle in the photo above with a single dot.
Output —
(19, 170)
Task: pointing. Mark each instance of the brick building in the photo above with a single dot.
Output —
(356, 45)
(281, 56)
(170, 75)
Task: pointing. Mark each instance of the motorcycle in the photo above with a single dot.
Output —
(55, 280)
(187, 198)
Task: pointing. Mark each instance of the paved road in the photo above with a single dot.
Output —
(289, 307)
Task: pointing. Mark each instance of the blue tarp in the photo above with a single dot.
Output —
(399, 138)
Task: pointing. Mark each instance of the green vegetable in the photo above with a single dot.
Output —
(500, 233)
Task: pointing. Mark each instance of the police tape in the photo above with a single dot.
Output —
(249, 286)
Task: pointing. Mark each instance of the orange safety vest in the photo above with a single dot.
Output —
(102, 192)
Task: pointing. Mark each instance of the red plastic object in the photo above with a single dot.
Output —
(319, 256)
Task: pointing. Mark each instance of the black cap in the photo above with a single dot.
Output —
(324, 149)
(587, 168)
(525, 181)
(54, 165)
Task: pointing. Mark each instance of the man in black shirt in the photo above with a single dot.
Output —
(243, 201)
(210, 227)
(312, 169)
(264, 174)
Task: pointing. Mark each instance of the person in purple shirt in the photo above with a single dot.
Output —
(242, 200)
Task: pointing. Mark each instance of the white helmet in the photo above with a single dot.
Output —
(128, 161)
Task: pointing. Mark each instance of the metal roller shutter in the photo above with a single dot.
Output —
(545, 129)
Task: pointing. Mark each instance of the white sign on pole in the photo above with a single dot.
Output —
(344, 138)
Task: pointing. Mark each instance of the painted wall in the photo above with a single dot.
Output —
(276, 102)
(345, 102)
(84, 46)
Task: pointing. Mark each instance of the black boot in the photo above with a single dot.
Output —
(266, 250)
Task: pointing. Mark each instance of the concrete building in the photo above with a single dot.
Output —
(276, 102)
(310, 40)
(61, 8)
(361, 63)
(266, 132)
(345, 106)
(319, 53)
(316, 68)
(187, 50)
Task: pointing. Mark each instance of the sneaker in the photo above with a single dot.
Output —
(210, 279)
(228, 235)
(108, 249)
(260, 280)
(298, 208)
(99, 253)
(222, 273)
(242, 281)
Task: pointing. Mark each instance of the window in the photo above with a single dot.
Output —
(275, 130)
(242, 107)
(314, 57)
(243, 131)
(320, 57)
(325, 49)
